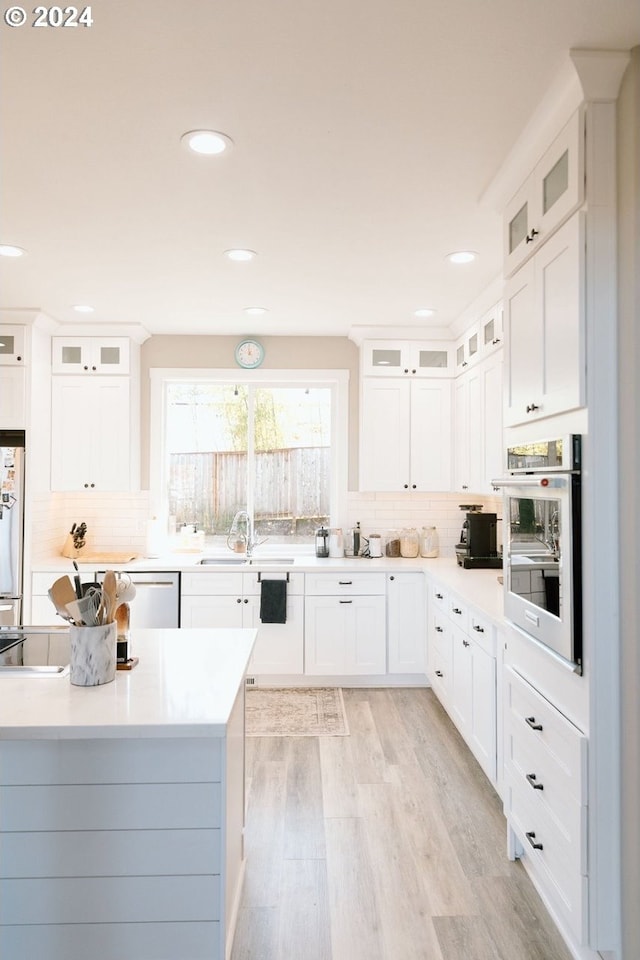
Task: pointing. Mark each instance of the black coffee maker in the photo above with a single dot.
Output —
(478, 540)
(322, 542)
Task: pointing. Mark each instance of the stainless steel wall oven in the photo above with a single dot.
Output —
(542, 543)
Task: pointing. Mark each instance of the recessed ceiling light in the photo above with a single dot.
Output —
(240, 256)
(256, 311)
(207, 142)
(83, 308)
(461, 256)
(8, 250)
(424, 312)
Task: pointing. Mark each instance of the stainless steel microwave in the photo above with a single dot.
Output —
(542, 544)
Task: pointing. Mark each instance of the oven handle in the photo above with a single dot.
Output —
(543, 482)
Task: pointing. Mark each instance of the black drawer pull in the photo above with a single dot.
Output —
(478, 628)
(531, 777)
(345, 583)
(439, 630)
(345, 601)
(439, 596)
(531, 837)
(532, 723)
(465, 643)
(457, 610)
(439, 673)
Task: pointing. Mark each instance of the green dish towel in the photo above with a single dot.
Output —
(273, 601)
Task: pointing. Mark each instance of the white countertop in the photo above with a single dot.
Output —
(185, 685)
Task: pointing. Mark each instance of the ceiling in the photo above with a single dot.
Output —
(365, 133)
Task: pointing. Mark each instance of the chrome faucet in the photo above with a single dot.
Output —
(249, 537)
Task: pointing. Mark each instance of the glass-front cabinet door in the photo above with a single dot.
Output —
(407, 358)
(12, 345)
(550, 194)
(86, 355)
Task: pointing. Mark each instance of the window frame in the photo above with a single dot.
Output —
(336, 380)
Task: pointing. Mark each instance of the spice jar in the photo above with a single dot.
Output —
(392, 544)
(409, 542)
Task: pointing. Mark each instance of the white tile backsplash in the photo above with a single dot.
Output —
(115, 521)
(379, 512)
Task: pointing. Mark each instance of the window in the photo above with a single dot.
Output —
(267, 444)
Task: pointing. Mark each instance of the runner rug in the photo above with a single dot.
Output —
(295, 712)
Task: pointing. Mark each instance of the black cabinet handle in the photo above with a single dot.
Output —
(392, 577)
(413, 486)
(530, 236)
(239, 600)
(345, 601)
(457, 610)
(531, 837)
(465, 643)
(406, 370)
(478, 628)
(345, 583)
(439, 596)
(413, 371)
(439, 630)
(532, 723)
(532, 780)
(245, 600)
(532, 407)
(439, 673)
(85, 368)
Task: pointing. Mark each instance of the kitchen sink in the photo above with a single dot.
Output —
(226, 561)
(22, 671)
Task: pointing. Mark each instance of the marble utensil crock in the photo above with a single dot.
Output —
(93, 655)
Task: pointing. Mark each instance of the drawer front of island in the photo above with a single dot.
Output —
(124, 833)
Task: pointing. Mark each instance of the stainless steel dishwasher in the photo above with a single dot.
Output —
(157, 599)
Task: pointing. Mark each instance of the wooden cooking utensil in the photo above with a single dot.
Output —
(108, 597)
(61, 593)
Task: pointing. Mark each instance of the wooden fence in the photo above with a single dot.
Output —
(291, 489)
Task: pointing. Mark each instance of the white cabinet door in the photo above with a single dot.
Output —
(279, 647)
(13, 401)
(483, 722)
(13, 344)
(491, 374)
(385, 434)
(462, 688)
(431, 448)
(553, 191)
(406, 358)
(90, 434)
(345, 636)
(406, 623)
(211, 611)
(544, 330)
(468, 432)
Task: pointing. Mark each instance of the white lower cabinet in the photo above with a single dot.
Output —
(545, 798)
(406, 623)
(345, 624)
(462, 671)
(213, 599)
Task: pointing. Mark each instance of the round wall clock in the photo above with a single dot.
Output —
(249, 353)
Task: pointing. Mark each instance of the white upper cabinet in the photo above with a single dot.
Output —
(90, 355)
(13, 341)
(405, 434)
(406, 358)
(544, 329)
(468, 349)
(491, 330)
(553, 191)
(478, 426)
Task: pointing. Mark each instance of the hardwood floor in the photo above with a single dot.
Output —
(388, 844)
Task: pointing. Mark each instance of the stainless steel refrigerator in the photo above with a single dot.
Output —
(11, 525)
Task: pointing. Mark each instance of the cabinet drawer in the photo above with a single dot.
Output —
(562, 859)
(210, 583)
(438, 597)
(532, 720)
(251, 582)
(547, 785)
(458, 611)
(337, 584)
(483, 632)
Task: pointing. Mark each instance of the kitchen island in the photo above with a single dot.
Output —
(122, 806)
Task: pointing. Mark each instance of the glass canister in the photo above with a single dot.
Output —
(429, 542)
(409, 542)
(392, 543)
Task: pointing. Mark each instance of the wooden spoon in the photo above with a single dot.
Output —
(108, 597)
